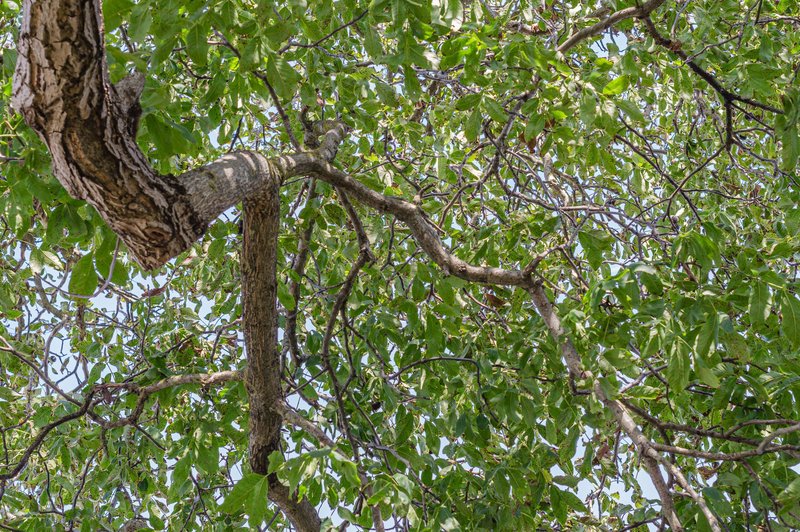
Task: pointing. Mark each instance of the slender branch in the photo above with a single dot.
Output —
(42, 434)
(298, 267)
(364, 256)
(763, 446)
(144, 392)
(204, 379)
(293, 417)
(8, 348)
(319, 41)
(794, 450)
(623, 418)
(728, 96)
(623, 14)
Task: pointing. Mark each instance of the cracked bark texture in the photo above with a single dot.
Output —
(62, 88)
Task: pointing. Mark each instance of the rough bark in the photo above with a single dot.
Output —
(62, 88)
(259, 292)
(260, 319)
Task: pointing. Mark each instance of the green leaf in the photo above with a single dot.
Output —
(791, 493)
(257, 504)
(632, 110)
(208, 458)
(434, 335)
(595, 244)
(790, 323)
(470, 101)
(83, 280)
(197, 44)
(114, 12)
(758, 302)
(242, 491)
(678, 366)
(558, 504)
(453, 15)
(180, 472)
(106, 260)
(706, 336)
(706, 374)
(285, 297)
(251, 55)
(495, 110)
(282, 76)
(588, 109)
(372, 43)
(790, 142)
(616, 85)
(412, 85)
(473, 126)
(350, 472)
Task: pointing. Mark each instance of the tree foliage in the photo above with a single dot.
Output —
(633, 163)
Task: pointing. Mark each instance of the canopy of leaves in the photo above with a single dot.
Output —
(649, 171)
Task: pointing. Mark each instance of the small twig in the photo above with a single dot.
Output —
(319, 41)
(39, 439)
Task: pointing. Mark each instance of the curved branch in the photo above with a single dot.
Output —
(63, 90)
(727, 96)
(42, 434)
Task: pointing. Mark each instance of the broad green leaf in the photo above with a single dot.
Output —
(470, 101)
(412, 85)
(473, 126)
(631, 109)
(616, 85)
(242, 491)
(495, 110)
(453, 14)
(282, 76)
(197, 44)
(434, 335)
(257, 503)
(759, 302)
(790, 142)
(790, 323)
(678, 366)
(83, 279)
(791, 493)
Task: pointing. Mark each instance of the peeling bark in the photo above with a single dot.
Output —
(61, 87)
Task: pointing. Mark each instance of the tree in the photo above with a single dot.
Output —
(438, 265)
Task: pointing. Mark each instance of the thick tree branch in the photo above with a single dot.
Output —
(62, 88)
(260, 319)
